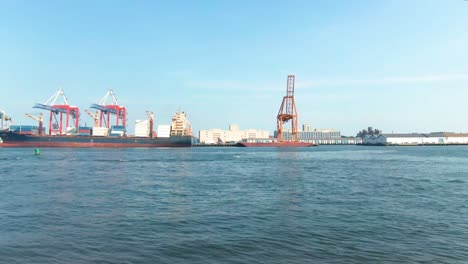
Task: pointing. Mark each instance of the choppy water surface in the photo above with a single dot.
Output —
(235, 205)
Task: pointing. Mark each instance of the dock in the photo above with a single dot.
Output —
(221, 145)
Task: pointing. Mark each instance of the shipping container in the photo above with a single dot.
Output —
(100, 131)
(117, 133)
(164, 131)
(142, 128)
(25, 129)
(118, 128)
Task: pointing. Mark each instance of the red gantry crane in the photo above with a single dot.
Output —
(58, 111)
(107, 107)
(288, 112)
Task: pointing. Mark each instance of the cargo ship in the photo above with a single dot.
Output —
(16, 140)
(66, 132)
(177, 135)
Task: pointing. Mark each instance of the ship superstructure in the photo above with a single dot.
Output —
(180, 125)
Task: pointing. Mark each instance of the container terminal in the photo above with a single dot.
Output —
(109, 128)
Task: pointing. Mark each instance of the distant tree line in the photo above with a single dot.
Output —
(368, 131)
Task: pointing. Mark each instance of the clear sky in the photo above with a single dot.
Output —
(396, 65)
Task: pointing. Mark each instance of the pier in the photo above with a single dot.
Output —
(221, 145)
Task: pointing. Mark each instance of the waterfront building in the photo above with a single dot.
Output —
(434, 138)
(234, 134)
(321, 136)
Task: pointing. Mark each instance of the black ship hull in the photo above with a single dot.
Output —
(16, 140)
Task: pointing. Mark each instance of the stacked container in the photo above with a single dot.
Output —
(142, 128)
(118, 131)
(164, 131)
(84, 131)
(27, 130)
(100, 131)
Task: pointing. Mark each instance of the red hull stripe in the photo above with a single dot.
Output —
(84, 145)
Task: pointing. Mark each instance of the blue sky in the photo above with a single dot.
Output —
(396, 65)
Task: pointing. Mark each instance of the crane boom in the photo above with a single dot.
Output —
(39, 119)
(151, 121)
(95, 117)
(150, 115)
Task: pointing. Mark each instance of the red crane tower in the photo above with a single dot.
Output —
(288, 112)
(107, 108)
(58, 111)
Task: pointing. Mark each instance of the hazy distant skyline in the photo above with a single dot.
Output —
(395, 65)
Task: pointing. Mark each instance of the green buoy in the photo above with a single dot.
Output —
(37, 152)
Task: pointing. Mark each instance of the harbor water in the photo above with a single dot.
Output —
(331, 204)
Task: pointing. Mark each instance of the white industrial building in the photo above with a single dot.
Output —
(234, 134)
(321, 136)
(434, 138)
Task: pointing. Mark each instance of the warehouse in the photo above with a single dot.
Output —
(434, 138)
(234, 134)
(321, 136)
